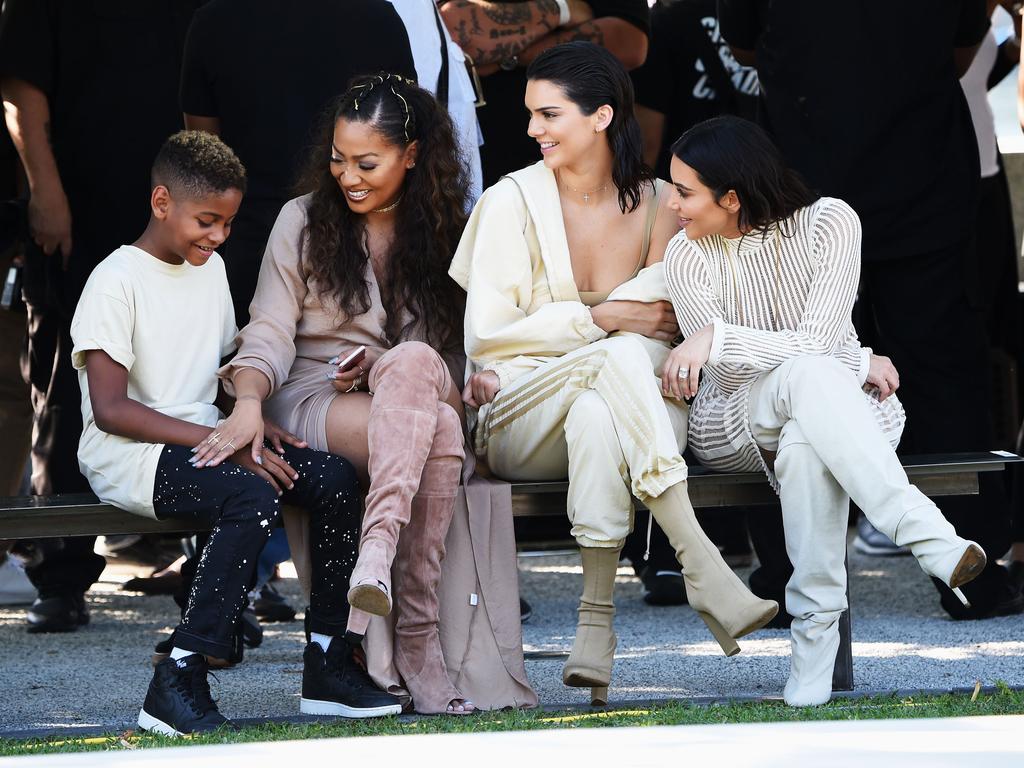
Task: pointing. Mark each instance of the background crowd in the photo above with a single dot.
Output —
(863, 109)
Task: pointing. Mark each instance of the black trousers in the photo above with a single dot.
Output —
(68, 566)
(243, 509)
(920, 312)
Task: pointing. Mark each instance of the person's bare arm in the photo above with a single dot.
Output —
(962, 58)
(118, 414)
(626, 41)
(27, 113)
(652, 132)
(201, 123)
(491, 32)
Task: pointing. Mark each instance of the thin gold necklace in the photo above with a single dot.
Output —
(586, 195)
(391, 207)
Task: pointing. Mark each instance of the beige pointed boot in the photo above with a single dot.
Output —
(724, 603)
(593, 651)
(417, 575)
(407, 383)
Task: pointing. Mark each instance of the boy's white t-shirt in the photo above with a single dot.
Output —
(169, 326)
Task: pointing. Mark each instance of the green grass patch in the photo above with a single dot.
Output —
(1001, 701)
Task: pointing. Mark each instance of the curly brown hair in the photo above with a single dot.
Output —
(428, 223)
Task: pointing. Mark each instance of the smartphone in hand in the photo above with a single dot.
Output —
(354, 358)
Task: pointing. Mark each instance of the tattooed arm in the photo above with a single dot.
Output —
(627, 42)
(491, 32)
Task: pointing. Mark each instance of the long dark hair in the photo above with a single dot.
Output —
(591, 76)
(729, 152)
(428, 223)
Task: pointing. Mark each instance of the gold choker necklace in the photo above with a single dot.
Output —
(391, 207)
(586, 195)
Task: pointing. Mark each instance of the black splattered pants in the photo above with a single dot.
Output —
(243, 509)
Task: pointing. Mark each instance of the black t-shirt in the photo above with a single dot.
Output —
(690, 74)
(504, 120)
(110, 71)
(863, 99)
(268, 69)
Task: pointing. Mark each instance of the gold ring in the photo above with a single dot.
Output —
(213, 440)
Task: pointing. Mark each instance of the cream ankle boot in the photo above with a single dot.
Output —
(814, 643)
(724, 603)
(590, 663)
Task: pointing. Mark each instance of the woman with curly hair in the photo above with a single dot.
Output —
(360, 262)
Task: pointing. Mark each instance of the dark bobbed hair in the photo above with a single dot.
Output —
(590, 76)
(195, 164)
(428, 221)
(729, 152)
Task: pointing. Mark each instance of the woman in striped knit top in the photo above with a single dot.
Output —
(763, 278)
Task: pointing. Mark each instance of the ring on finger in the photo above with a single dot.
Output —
(214, 438)
(224, 447)
(683, 373)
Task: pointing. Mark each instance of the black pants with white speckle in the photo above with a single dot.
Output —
(243, 509)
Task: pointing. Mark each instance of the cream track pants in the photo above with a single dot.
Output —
(830, 449)
(596, 416)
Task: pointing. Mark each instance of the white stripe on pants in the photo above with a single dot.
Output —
(596, 416)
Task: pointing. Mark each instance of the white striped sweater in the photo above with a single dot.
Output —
(786, 294)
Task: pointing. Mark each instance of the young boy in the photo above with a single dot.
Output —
(154, 321)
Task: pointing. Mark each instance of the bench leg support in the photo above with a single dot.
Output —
(842, 673)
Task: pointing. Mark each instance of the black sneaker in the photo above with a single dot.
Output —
(663, 587)
(252, 631)
(525, 611)
(178, 700)
(270, 605)
(333, 683)
(59, 613)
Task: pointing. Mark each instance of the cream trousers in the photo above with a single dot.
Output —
(596, 416)
(830, 449)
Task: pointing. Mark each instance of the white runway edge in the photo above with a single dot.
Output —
(932, 743)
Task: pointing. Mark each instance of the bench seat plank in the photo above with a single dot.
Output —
(26, 517)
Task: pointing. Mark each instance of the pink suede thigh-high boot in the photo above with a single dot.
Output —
(417, 572)
(407, 382)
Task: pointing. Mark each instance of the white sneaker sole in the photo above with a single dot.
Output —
(149, 723)
(316, 707)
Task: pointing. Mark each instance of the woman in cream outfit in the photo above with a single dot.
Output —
(763, 279)
(561, 371)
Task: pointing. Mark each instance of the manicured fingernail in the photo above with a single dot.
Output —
(193, 460)
(259, 460)
(333, 361)
(331, 376)
(194, 450)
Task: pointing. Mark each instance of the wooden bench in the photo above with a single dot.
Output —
(29, 517)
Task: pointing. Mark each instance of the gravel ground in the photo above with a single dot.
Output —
(96, 678)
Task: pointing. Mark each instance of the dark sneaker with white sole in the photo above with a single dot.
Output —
(333, 683)
(58, 613)
(871, 541)
(178, 701)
